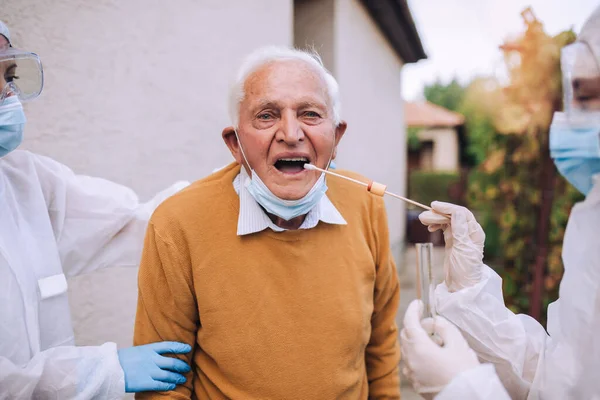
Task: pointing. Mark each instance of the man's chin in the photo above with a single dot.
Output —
(291, 192)
(291, 187)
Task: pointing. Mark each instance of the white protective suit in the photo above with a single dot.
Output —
(479, 383)
(531, 363)
(55, 225)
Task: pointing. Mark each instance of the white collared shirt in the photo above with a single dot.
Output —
(253, 218)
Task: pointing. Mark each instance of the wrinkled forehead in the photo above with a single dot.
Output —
(285, 80)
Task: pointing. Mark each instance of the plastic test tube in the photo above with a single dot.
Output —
(426, 284)
(425, 277)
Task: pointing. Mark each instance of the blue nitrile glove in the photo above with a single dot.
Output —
(146, 370)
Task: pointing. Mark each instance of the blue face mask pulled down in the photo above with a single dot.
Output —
(12, 122)
(286, 209)
(575, 148)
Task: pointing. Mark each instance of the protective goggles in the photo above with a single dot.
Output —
(581, 78)
(21, 74)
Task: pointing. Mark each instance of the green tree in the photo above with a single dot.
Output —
(448, 95)
(479, 103)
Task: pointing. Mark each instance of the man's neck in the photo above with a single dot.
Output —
(291, 225)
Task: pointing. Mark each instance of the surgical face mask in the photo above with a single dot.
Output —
(12, 122)
(575, 147)
(285, 209)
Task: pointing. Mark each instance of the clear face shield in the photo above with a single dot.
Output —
(21, 74)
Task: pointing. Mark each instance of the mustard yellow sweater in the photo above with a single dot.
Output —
(304, 314)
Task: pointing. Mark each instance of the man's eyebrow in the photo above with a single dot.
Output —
(266, 104)
(312, 104)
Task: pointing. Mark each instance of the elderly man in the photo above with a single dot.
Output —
(289, 290)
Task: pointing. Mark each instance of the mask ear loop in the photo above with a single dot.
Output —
(242, 149)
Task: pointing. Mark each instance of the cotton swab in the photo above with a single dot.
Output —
(376, 188)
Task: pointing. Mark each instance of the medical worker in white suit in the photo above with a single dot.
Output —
(55, 224)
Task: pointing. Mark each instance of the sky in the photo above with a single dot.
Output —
(461, 37)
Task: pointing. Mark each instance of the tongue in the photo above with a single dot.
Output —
(290, 168)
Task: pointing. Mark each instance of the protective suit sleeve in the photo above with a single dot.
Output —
(167, 307)
(512, 343)
(65, 372)
(479, 383)
(97, 223)
(383, 350)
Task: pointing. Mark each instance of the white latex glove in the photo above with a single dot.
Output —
(464, 239)
(428, 366)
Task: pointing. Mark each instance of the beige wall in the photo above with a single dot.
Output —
(445, 148)
(136, 93)
(368, 71)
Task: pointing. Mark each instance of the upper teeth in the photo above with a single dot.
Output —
(294, 159)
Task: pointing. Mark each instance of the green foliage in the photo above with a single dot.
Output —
(412, 134)
(485, 214)
(426, 187)
(478, 106)
(448, 95)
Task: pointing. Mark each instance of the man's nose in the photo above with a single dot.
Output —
(290, 130)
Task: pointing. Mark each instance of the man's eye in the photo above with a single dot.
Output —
(312, 114)
(264, 116)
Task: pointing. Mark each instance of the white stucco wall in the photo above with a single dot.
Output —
(136, 93)
(445, 148)
(314, 24)
(368, 71)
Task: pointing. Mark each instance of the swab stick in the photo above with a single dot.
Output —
(376, 188)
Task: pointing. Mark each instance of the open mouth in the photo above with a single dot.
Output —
(291, 165)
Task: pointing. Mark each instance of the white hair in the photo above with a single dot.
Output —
(267, 55)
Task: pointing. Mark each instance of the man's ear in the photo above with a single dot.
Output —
(232, 143)
(339, 133)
